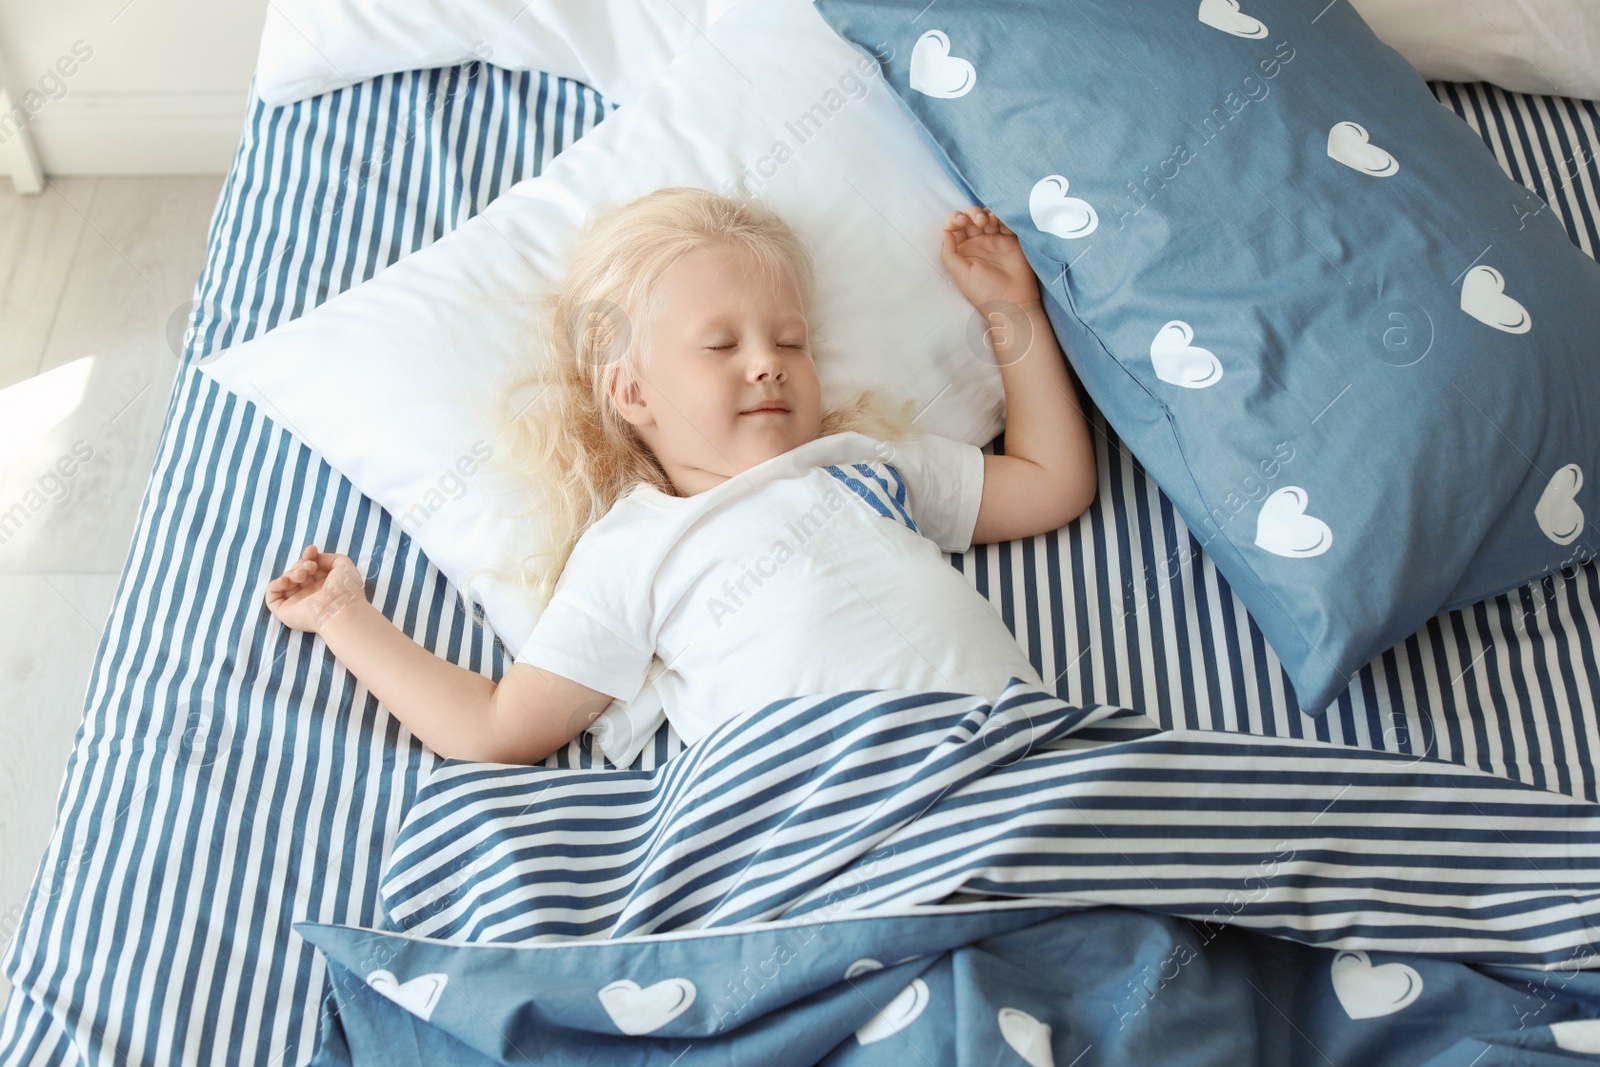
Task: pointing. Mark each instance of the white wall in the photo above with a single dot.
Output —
(162, 91)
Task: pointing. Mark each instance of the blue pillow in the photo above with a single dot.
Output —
(1360, 360)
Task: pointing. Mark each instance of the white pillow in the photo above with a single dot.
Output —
(388, 380)
(1549, 47)
(616, 47)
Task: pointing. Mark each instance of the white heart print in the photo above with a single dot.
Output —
(418, 996)
(1367, 992)
(894, 1016)
(1179, 362)
(1557, 511)
(935, 72)
(1483, 296)
(638, 1011)
(1027, 1036)
(862, 966)
(1347, 143)
(1225, 15)
(1577, 1035)
(1284, 529)
(1053, 211)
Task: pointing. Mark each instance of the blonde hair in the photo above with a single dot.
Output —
(557, 427)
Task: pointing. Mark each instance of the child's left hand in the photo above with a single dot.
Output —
(985, 258)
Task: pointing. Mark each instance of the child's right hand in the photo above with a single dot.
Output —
(313, 590)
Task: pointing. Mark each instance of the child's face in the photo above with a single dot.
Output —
(723, 341)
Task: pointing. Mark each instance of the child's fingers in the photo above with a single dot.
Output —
(989, 222)
(975, 222)
(299, 572)
(293, 574)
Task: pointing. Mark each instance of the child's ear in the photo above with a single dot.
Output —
(628, 398)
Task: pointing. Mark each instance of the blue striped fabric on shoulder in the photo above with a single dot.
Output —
(880, 487)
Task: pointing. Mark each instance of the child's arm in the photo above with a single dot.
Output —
(458, 713)
(1047, 476)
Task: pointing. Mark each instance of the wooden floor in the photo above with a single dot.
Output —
(96, 275)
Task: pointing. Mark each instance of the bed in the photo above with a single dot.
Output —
(229, 781)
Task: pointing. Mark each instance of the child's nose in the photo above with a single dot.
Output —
(767, 361)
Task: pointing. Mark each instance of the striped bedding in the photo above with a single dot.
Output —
(891, 800)
(230, 778)
(844, 813)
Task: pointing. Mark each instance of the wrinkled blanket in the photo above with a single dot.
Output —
(906, 877)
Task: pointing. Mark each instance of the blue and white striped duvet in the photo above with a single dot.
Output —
(891, 800)
(231, 778)
(829, 810)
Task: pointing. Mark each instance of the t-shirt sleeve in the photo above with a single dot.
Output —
(944, 487)
(596, 629)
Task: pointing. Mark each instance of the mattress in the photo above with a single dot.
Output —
(230, 778)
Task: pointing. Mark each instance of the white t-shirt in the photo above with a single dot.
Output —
(819, 570)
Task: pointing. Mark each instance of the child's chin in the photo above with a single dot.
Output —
(771, 445)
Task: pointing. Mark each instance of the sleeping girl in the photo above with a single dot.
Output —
(714, 531)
